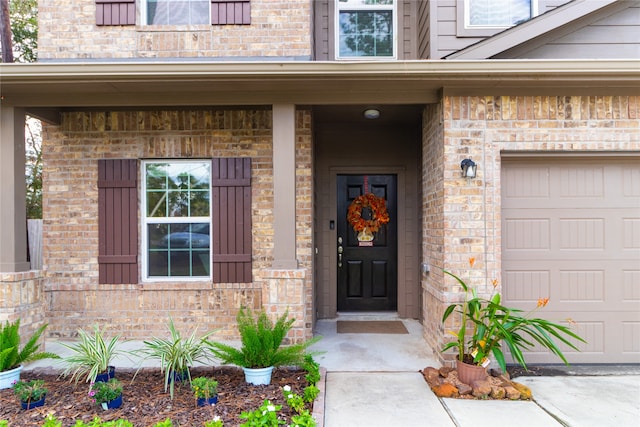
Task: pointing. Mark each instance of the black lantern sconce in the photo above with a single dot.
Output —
(468, 167)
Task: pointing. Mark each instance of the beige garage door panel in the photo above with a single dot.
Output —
(571, 232)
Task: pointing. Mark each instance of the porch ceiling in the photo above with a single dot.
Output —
(147, 84)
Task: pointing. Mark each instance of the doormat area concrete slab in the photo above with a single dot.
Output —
(371, 327)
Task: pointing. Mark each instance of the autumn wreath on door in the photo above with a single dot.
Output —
(366, 227)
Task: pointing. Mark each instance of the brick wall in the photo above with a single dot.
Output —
(462, 217)
(70, 231)
(68, 31)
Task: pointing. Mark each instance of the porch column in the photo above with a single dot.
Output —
(284, 186)
(13, 210)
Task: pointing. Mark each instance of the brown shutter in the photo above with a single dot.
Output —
(228, 12)
(231, 187)
(118, 221)
(115, 12)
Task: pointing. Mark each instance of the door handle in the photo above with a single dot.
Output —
(340, 250)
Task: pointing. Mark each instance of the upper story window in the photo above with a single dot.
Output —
(366, 29)
(177, 219)
(498, 13)
(178, 12)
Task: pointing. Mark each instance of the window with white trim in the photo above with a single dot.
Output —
(498, 13)
(366, 29)
(177, 12)
(176, 230)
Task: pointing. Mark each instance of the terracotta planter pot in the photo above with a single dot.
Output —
(469, 373)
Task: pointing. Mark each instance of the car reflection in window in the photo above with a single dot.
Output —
(198, 237)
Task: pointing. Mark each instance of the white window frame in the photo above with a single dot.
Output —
(143, 17)
(145, 221)
(394, 17)
(468, 25)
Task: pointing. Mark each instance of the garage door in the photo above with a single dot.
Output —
(571, 232)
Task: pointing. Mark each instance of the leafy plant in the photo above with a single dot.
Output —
(11, 356)
(215, 422)
(261, 342)
(165, 423)
(103, 392)
(266, 415)
(176, 355)
(313, 369)
(30, 391)
(204, 388)
(294, 401)
(97, 422)
(310, 393)
(50, 421)
(492, 324)
(92, 355)
(303, 419)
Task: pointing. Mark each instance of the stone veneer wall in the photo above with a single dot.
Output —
(74, 299)
(462, 217)
(22, 297)
(278, 28)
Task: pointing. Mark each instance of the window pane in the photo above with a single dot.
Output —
(366, 33)
(199, 203)
(172, 188)
(499, 13)
(178, 249)
(354, 3)
(177, 12)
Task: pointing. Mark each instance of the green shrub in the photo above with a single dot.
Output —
(261, 343)
(11, 356)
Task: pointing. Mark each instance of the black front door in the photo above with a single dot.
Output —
(367, 271)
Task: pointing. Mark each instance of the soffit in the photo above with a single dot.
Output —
(76, 85)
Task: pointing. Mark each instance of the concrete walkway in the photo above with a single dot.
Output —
(373, 381)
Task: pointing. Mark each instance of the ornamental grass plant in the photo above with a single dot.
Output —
(262, 342)
(487, 326)
(176, 354)
(91, 356)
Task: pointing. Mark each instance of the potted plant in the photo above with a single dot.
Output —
(12, 357)
(31, 393)
(91, 356)
(261, 348)
(108, 394)
(176, 355)
(486, 326)
(205, 390)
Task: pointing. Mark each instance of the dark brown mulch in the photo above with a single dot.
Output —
(145, 402)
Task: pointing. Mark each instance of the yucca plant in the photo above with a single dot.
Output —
(11, 356)
(92, 355)
(261, 343)
(176, 354)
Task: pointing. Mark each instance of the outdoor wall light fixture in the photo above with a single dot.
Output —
(468, 168)
(371, 113)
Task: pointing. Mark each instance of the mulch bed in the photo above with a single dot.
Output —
(145, 402)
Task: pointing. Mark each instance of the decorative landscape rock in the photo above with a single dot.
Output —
(444, 382)
(445, 390)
